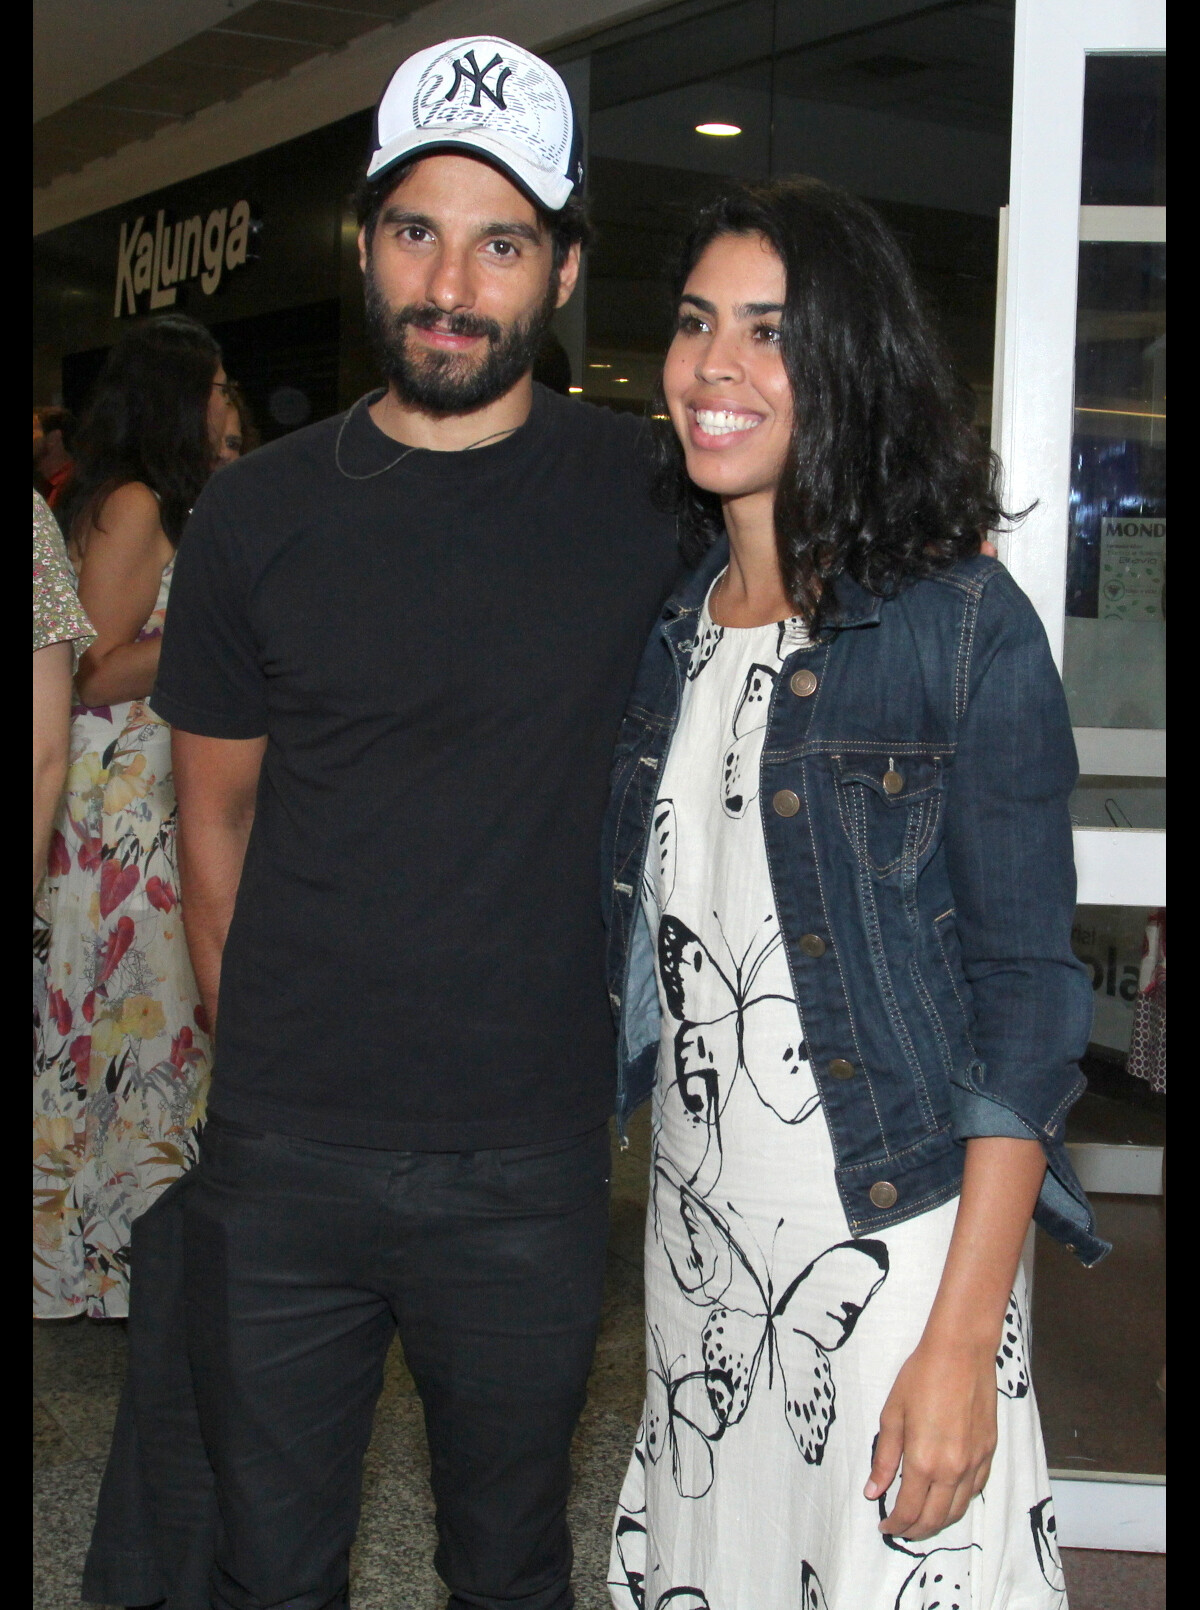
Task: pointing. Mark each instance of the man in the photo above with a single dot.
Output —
(397, 655)
(53, 431)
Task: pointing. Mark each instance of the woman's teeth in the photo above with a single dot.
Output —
(720, 422)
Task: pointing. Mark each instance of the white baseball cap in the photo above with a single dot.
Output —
(490, 97)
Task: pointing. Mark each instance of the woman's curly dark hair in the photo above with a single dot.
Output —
(147, 421)
(886, 479)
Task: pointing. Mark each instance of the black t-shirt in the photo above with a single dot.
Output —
(439, 655)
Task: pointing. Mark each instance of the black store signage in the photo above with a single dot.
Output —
(153, 261)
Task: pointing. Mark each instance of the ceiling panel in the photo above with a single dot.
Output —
(264, 40)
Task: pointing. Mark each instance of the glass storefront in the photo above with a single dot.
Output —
(1099, 1335)
(907, 107)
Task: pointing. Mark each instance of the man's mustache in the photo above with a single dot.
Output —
(429, 318)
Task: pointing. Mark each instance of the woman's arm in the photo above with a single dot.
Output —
(940, 1417)
(123, 560)
(51, 744)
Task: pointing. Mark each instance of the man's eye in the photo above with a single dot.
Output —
(502, 248)
(415, 233)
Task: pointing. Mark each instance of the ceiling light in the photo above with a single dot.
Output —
(621, 380)
(574, 389)
(599, 365)
(723, 130)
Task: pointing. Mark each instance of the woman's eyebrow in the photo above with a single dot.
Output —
(744, 310)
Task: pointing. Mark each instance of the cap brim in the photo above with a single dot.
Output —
(549, 190)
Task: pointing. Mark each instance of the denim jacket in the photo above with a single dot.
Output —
(913, 792)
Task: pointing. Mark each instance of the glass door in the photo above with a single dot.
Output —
(1080, 421)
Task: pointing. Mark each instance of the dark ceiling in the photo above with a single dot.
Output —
(262, 41)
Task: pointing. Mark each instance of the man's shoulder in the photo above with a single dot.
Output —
(603, 429)
(305, 451)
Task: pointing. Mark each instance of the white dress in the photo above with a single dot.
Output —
(772, 1337)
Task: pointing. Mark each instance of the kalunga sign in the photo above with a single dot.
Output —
(161, 259)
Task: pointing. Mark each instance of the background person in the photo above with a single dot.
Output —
(840, 847)
(122, 1055)
(239, 434)
(53, 437)
(61, 632)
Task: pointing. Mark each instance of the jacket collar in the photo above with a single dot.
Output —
(854, 605)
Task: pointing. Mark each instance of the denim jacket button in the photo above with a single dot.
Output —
(892, 782)
(803, 684)
(883, 1193)
(812, 945)
(785, 803)
(841, 1069)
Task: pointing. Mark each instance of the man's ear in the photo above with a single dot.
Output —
(362, 249)
(568, 275)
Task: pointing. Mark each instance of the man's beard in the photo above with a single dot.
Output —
(452, 382)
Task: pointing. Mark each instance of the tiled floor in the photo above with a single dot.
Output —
(78, 1367)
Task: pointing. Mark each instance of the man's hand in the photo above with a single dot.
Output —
(939, 1422)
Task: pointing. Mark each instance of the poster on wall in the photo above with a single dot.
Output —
(1108, 940)
(1132, 568)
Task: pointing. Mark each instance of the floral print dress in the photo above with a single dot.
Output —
(121, 1049)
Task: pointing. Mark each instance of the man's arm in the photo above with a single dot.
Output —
(216, 783)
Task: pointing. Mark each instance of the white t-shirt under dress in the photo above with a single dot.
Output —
(772, 1337)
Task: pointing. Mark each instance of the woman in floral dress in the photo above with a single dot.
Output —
(122, 1050)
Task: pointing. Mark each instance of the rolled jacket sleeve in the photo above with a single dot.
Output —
(1012, 870)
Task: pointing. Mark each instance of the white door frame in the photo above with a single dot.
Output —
(1032, 427)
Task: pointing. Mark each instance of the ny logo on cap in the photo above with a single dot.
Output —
(475, 75)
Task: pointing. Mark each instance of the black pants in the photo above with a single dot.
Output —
(301, 1259)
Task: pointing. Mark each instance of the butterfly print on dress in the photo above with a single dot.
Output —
(658, 874)
(1045, 1544)
(629, 1547)
(715, 1040)
(941, 1578)
(745, 1319)
(741, 766)
(1012, 1368)
(704, 648)
(678, 1418)
(812, 1594)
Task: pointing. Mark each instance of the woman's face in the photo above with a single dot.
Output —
(230, 447)
(726, 387)
(218, 405)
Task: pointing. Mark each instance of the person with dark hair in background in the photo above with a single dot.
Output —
(61, 632)
(122, 1054)
(53, 438)
(839, 868)
(239, 434)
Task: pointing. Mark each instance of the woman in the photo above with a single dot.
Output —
(122, 1057)
(839, 859)
(60, 634)
(239, 433)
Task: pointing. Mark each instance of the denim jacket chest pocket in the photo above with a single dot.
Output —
(890, 807)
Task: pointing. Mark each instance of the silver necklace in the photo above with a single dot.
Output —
(400, 457)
